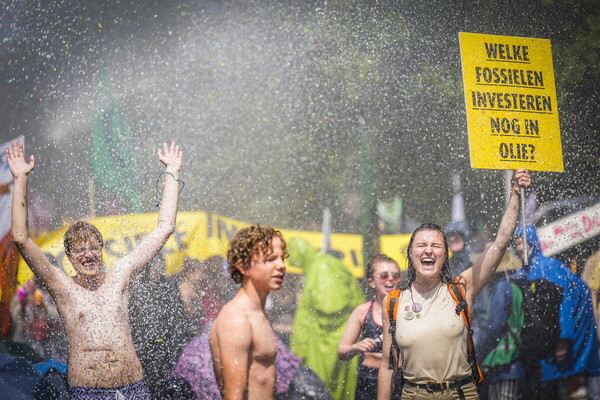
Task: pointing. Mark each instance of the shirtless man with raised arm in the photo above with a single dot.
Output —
(94, 303)
(242, 342)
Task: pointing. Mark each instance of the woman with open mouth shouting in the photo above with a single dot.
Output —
(429, 315)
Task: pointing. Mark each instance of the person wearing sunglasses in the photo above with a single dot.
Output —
(364, 332)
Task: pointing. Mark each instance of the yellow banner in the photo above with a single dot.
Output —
(395, 247)
(510, 99)
(197, 235)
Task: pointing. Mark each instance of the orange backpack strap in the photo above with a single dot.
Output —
(462, 307)
(392, 304)
(457, 291)
(392, 311)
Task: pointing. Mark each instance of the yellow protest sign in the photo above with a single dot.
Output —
(197, 235)
(510, 98)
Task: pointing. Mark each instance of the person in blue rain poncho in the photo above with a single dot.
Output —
(577, 355)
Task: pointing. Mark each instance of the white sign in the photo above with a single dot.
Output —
(5, 175)
(569, 231)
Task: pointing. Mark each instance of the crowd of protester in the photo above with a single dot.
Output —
(171, 314)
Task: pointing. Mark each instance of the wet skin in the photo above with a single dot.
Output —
(94, 303)
(242, 341)
(101, 351)
(428, 255)
(386, 277)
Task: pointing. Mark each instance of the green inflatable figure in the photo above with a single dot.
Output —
(329, 295)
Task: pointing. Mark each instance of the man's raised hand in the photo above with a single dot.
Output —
(170, 156)
(16, 160)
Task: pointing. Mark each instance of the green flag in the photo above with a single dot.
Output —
(113, 156)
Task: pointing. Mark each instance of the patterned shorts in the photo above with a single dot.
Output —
(133, 391)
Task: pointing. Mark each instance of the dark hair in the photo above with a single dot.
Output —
(248, 242)
(376, 259)
(213, 265)
(81, 232)
(155, 267)
(191, 265)
(445, 273)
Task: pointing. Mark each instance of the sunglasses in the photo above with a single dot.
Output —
(386, 275)
(79, 250)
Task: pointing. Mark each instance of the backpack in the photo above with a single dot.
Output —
(506, 350)
(533, 327)
(458, 294)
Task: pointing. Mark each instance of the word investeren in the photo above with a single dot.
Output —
(511, 101)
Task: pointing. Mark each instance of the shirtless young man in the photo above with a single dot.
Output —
(241, 340)
(94, 303)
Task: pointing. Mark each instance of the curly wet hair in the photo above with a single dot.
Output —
(81, 232)
(445, 273)
(247, 243)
